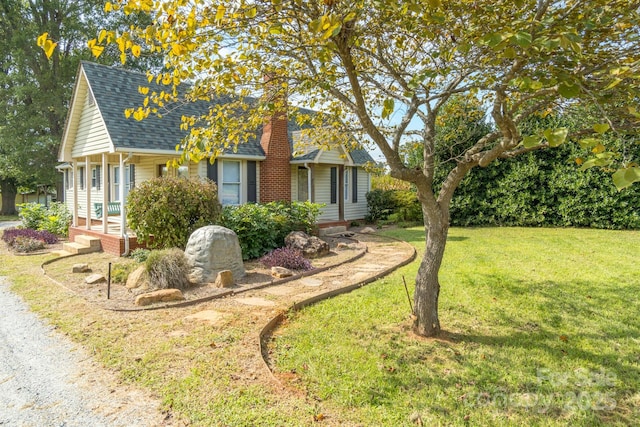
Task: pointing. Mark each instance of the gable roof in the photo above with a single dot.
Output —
(116, 89)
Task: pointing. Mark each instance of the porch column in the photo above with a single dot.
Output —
(74, 169)
(123, 219)
(87, 187)
(105, 193)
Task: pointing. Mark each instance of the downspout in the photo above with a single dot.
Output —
(123, 222)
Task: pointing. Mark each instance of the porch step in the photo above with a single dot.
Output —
(92, 242)
(83, 245)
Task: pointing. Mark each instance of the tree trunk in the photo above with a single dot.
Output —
(427, 289)
(9, 192)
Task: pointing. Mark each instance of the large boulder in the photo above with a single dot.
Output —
(310, 246)
(212, 249)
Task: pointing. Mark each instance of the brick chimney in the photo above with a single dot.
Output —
(275, 170)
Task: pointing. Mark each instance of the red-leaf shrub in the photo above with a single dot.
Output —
(287, 258)
(10, 234)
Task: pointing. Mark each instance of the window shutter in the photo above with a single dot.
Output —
(98, 176)
(132, 176)
(252, 184)
(334, 185)
(212, 171)
(354, 184)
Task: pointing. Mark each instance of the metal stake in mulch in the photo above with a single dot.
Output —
(109, 283)
(408, 297)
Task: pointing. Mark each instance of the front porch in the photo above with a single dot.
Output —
(112, 242)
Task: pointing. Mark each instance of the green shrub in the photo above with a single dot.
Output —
(170, 209)
(263, 227)
(394, 205)
(380, 204)
(54, 219)
(140, 254)
(167, 269)
(121, 270)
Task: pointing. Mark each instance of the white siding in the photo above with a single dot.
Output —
(332, 157)
(91, 136)
(353, 211)
(322, 183)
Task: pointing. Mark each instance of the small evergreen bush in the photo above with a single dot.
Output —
(121, 270)
(170, 209)
(168, 268)
(288, 258)
(263, 227)
(140, 254)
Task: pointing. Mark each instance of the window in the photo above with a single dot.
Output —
(68, 179)
(303, 184)
(82, 177)
(129, 180)
(96, 173)
(230, 182)
(116, 183)
(183, 171)
(347, 171)
(163, 171)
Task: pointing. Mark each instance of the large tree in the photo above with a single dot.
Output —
(35, 89)
(385, 70)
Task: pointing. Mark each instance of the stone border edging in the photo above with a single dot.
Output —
(272, 325)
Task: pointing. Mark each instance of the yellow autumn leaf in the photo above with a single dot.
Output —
(598, 149)
(143, 90)
(96, 51)
(43, 38)
(177, 49)
(108, 7)
(135, 50)
(49, 47)
(220, 12)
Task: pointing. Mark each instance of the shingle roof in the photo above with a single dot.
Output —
(116, 89)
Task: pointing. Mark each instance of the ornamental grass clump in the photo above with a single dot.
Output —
(168, 269)
(288, 258)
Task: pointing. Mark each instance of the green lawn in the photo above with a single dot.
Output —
(541, 326)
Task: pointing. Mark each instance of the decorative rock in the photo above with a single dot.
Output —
(367, 230)
(162, 295)
(311, 246)
(138, 279)
(281, 272)
(80, 268)
(224, 279)
(212, 249)
(95, 278)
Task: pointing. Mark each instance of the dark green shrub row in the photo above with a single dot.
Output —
(394, 205)
(170, 209)
(263, 227)
(544, 189)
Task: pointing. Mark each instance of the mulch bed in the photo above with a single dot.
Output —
(122, 299)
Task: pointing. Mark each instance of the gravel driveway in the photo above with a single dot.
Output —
(45, 380)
